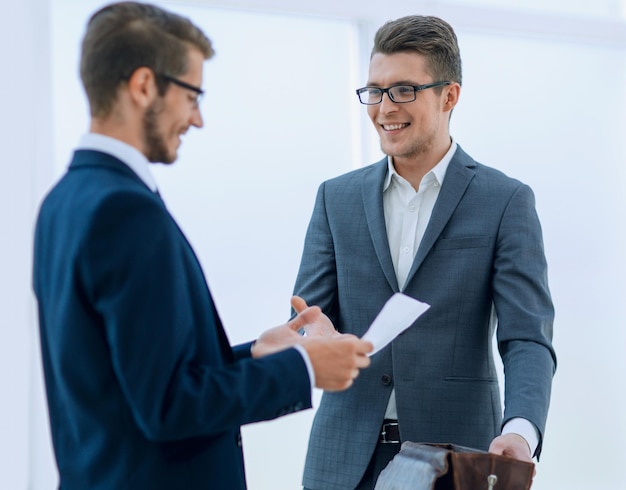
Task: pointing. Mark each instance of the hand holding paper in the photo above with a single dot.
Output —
(398, 314)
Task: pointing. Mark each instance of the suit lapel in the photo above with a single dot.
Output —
(372, 193)
(459, 174)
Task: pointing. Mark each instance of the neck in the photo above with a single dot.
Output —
(413, 167)
(119, 128)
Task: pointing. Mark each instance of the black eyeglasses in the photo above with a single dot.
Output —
(198, 91)
(400, 94)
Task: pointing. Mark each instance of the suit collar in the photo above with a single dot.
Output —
(124, 152)
(458, 175)
(93, 158)
(438, 171)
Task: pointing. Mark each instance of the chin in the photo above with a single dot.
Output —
(391, 150)
(169, 159)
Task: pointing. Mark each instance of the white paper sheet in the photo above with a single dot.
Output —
(398, 314)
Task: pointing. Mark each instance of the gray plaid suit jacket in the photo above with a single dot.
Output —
(482, 248)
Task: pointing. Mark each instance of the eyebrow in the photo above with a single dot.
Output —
(399, 82)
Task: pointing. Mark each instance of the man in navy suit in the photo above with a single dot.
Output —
(433, 223)
(144, 390)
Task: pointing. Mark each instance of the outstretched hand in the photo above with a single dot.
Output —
(321, 325)
(336, 359)
(285, 336)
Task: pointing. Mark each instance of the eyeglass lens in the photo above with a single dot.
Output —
(399, 93)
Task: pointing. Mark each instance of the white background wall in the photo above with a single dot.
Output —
(543, 99)
(26, 170)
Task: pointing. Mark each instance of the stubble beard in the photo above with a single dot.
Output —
(413, 151)
(154, 142)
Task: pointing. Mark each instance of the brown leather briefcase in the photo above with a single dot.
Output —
(425, 466)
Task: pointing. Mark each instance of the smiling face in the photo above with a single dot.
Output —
(415, 130)
(170, 116)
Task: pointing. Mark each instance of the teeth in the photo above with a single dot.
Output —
(393, 127)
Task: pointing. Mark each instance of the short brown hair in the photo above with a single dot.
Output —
(124, 36)
(429, 36)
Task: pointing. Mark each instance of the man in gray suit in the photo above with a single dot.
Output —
(431, 222)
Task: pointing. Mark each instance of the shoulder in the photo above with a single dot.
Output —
(375, 171)
(102, 202)
(491, 178)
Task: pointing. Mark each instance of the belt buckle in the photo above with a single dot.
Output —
(383, 433)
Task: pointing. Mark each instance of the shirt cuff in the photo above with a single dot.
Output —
(524, 428)
(307, 362)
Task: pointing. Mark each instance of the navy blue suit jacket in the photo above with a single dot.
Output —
(144, 390)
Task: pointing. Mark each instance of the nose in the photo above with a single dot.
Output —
(196, 118)
(386, 104)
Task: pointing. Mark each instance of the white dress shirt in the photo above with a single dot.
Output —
(407, 213)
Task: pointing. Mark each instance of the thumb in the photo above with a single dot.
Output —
(298, 304)
(304, 317)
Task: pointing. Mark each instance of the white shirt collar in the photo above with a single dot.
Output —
(124, 152)
(438, 171)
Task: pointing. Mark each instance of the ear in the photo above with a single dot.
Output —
(142, 87)
(451, 96)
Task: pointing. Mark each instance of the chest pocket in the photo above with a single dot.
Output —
(463, 243)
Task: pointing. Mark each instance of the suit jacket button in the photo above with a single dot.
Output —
(386, 379)
(239, 439)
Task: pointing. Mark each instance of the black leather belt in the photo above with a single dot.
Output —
(389, 433)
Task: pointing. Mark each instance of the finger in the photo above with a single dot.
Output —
(367, 347)
(308, 315)
(496, 446)
(354, 374)
(496, 449)
(361, 346)
(298, 304)
(363, 361)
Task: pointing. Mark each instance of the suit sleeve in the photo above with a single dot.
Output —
(168, 350)
(317, 276)
(525, 312)
(243, 351)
